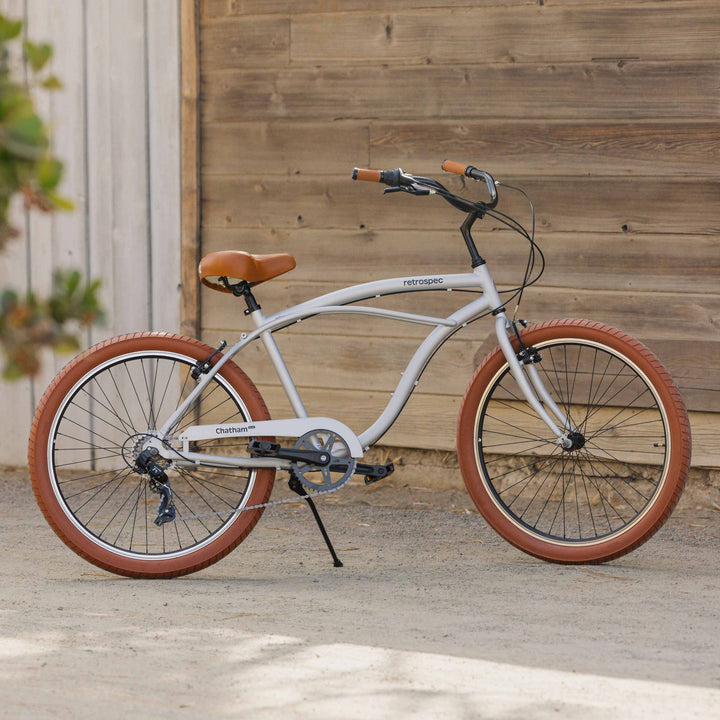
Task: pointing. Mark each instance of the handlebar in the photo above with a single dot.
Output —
(393, 178)
(472, 172)
(422, 186)
(367, 175)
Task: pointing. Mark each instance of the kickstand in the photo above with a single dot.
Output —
(296, 486)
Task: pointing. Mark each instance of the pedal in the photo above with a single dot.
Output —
(263, 447)
(373, 473)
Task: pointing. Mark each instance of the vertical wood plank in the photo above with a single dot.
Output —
(164, 147)
(117, 162)
(99, 156)
(16, 396)
(66, 246)
(40, 226)
(128, 167)
(190, 159)
(120, 147)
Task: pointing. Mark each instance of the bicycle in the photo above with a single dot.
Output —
(572, 438)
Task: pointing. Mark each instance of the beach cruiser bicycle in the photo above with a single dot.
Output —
(154, 455)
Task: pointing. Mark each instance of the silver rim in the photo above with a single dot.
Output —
(123, 423)
(606, 482)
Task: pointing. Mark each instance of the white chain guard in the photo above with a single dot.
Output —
(293, 427)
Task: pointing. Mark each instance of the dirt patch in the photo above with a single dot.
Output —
(427, 470)
(432, 615)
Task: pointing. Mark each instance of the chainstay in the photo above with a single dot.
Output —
(261, 505)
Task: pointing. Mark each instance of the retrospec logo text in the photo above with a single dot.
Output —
(424, 281)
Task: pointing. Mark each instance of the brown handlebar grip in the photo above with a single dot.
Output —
(367, 175)
(454, 167)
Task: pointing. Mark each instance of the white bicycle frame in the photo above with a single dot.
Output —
(526, 376)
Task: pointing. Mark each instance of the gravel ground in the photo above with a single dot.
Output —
(432, 615)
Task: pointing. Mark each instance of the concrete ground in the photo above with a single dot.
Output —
(433, 616)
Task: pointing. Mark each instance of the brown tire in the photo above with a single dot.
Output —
(617, 484)
(88, 431)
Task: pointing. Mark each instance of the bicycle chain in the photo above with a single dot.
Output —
(335, 486)
(262, 505)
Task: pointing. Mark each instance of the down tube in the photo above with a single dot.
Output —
(414, 369)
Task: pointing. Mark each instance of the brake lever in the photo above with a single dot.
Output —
(412, 190)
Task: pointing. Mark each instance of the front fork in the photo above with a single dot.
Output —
(534, 389)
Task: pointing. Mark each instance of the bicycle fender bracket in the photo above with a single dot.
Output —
(292, 427)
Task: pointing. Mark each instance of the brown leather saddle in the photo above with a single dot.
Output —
(236, 266)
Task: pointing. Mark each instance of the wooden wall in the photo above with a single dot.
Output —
(116, 126)
(605, 112)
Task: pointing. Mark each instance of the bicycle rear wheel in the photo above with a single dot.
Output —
(616, 486)
(89, 429)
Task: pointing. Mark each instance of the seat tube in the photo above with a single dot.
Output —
(279, 364)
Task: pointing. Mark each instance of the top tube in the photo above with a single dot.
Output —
(391, 286)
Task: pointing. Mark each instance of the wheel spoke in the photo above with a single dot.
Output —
(596, 489)
(102, 429)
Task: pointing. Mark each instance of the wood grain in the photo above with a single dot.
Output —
(283, 148)
(520, 34)
(591, 261)
(570, 204)
(650, 316)
(604, 112)
(518, 147)
(246, 43)
(585, 91)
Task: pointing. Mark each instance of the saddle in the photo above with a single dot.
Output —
(237, 266)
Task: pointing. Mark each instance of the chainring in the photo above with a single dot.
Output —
(331, 476)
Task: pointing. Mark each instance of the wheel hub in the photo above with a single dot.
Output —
(577, 440)
(135, 445)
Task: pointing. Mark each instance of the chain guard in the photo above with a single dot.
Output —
(325, 477)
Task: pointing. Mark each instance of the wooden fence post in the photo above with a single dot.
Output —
(190, 168)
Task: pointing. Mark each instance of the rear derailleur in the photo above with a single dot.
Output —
(158, 483)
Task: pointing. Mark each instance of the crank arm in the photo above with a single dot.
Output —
(264, 448)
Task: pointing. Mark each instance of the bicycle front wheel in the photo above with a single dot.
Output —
(89, 429)
(619, 482)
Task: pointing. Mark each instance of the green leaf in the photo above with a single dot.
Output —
(37, 55)
(15, 102)
(9, 29)
(66, 344)
(26, 137)
(52, 83)
(7, 301)
(12, 371)
(49, 173)
(60, 202)
(71, 280)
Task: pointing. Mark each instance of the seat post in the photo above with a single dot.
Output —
(243, 289)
